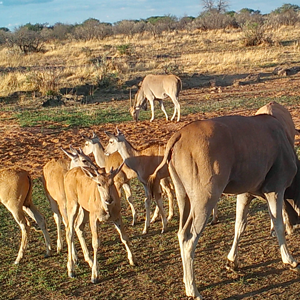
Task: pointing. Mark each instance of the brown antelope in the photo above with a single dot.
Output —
(285, 118)
(157, 87)
(93, 145)
(144, 163)
(16, 196)
(53, 180)
(97, 195)
(247, 156)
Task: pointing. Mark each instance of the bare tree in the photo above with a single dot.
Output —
(222, 6)
(208, 5)
(27, 40)
(215, 5)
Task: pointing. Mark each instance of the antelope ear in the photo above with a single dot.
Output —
(110, 135)
(115, 172)
(85, 137)
(118, 132)
(90, 172)
(70, 155)
(73, 150)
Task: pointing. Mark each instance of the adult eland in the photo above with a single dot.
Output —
(157, 87)
(246, 156)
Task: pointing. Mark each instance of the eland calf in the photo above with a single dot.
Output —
(16, 196)
(53, 181)
(97, 195)
(144, 162)
(157, 87)
(122, 179)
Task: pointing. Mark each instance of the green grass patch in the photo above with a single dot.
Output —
(71, 117)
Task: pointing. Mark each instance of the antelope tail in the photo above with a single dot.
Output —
(28, 199)
(154, 178)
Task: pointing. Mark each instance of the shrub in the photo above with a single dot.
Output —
(125, 49)
(287, 18)
(27, 40)
(125, 27)
(92, 29)
(213, 19)
(254, 34)
(247, 15)
(46, 82)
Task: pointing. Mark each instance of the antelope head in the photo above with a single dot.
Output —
(78, 158)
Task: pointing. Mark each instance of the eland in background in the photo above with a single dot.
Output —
(157, 87)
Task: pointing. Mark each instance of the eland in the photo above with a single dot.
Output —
(157, 87)
(246, 156)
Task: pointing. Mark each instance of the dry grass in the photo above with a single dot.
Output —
(45, 130)
(69, 64)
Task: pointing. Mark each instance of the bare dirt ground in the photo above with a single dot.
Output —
(159, 276)
(32, 147)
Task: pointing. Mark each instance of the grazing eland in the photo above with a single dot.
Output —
(157, 87)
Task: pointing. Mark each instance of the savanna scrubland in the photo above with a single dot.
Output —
(76, 86)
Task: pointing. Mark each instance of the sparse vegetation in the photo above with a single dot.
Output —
(91, 67)
(113, 62)
(130, 49)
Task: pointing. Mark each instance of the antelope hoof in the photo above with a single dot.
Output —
(164, 230)
(95, 280)
(71, 274)
(296, 269)
(213, 222)
(231, 266)
(133, 262)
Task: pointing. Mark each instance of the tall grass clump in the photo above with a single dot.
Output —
(254, 34)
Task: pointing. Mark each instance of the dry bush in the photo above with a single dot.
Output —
(46, 81)
(255, 34)
(27, 40)
(214, 20)
(98, 62)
